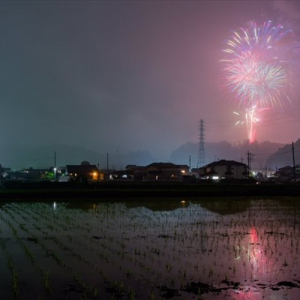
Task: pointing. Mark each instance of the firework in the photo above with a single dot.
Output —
(256, 82)
(267, 40)
(251, 117)
(258, 68)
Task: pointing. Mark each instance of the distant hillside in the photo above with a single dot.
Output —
(284, 156)
(225, 150)
(18, 157)
(265, 154)
(43, 157)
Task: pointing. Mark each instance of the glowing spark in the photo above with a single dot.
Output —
(251, 117)
(259, 60)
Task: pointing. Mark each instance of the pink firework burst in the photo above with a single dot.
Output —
(259, 64)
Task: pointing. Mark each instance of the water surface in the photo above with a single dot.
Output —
(178, 249)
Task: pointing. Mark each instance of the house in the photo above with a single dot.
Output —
(83, 172)
(138, 172)
(33, 174)
(159, 171)
(121, 175)
(223, 169)
(286, 174)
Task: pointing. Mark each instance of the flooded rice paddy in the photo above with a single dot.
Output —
(174, 249)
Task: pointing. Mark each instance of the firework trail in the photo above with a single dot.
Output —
(259, 67)
(251, 116)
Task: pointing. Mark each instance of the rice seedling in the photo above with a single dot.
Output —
(178, 245)
(47, 282)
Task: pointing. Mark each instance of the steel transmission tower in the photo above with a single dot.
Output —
(201, 153)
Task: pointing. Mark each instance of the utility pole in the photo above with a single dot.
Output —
(248, 163)
(294, 165)
(54, 169)
(107, 166)
(249, 160)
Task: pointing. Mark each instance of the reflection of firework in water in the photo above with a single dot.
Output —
(251, 117)
(258, 66)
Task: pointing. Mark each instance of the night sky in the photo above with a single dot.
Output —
(128, 75)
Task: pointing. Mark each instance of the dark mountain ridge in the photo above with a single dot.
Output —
(258, 152)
